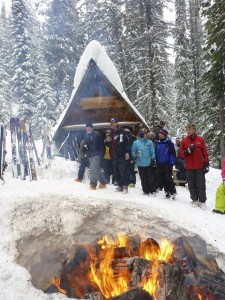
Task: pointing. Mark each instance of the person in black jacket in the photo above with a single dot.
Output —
(131, 162)
(118, 144)
(83, 161)
(93, 143)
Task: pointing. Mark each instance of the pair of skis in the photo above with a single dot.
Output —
(22, 149)
(3, 152)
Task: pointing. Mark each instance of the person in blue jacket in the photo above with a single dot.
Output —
(165, 159)
(143, 151)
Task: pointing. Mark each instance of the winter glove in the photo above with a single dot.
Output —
(138, 154)
(206, 168)
(108, 138)
(127, 156)
(189, 149)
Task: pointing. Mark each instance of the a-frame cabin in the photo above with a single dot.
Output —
(98, 96)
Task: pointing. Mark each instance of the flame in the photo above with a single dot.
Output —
(164, 254)
(56, 282)
(200, 297)
(102, 273)
(107, 242)
(149, 249)
(122, 240)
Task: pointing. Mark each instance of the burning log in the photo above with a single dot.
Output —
(94, 296)
(214, 281)
(74, 278)
(170, 280)
(196, 292)
(133, 244)
(134, 294)
(129, 268)
(184, 255)
(209, 263)
(141, 269)
(130, 248)
(149, 249)
(122, 267)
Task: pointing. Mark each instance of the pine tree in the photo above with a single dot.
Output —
(5, 95)
(22, 64)
(62, 45)
(103, 21)
(147, 58)
(183, 84)
(197, 66)
(213, 106)
(44, 97)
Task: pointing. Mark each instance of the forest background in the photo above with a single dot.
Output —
(42, 41)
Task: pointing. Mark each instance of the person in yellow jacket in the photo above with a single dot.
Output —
(220, 194)
(107, 165)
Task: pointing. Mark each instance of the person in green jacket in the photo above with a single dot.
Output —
(220, 193)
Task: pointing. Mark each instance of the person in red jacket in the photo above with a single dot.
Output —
(193, 150)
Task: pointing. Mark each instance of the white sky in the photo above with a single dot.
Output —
(7, 3)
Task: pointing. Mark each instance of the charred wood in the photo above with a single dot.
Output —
(94, 296)
(201, 292)
(214, 281)
(170, 282)
(189, 279)
(122, 267)
(184, 255)
(141, 269)
(134, 294)
(133, 245)
(209, 263)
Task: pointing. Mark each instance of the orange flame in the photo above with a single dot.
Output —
(164, 254)
(107, 242)
(102, 273)
(56, 282)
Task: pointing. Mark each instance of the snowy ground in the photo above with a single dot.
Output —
(41, 221)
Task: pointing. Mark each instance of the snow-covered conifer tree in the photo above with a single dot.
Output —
(213, 105)
(63, 45)
(5, 46)
(23, 66)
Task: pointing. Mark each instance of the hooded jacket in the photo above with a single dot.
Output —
(198, 158)
(147, 151)
(165, 152)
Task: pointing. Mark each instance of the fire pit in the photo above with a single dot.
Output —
(63, 243)
(131, 268)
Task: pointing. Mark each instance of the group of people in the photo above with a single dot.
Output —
(153, 154)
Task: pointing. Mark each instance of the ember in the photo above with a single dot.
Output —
(127, 267)
(56, 282)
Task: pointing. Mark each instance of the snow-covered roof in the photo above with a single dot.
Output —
(96, 52)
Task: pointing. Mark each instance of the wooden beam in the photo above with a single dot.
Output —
(99, 125)
(101, 102)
